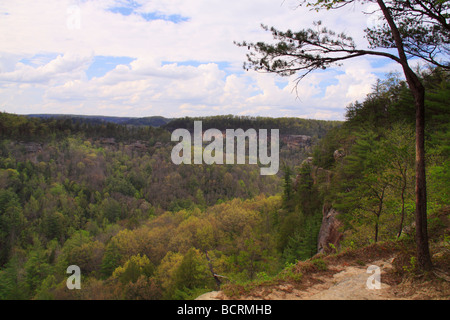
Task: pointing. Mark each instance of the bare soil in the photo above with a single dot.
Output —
(347, 275)
(350, 280)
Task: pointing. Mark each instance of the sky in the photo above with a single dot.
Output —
(170, 58)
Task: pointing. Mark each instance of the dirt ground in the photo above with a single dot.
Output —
(352, 275)
(350, 282)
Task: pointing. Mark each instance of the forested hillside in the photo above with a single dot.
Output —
(354, 201)
(287, 126)
(155, 121)
(372, 182)
(107, 197)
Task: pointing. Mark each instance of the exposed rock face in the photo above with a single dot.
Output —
(32, 147)
(213, 295)
(329, 231)
(110, 141)
(338, 154)
(296, 140)
(321, 175)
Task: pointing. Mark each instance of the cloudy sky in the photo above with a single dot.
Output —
(171, 58)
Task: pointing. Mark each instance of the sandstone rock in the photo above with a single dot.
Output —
(329, 231)
(338, 154)
(213, 295)
(296, 141)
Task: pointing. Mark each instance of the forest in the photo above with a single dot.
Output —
(105, 197)
(80, 190)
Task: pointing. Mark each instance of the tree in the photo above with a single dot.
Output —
(368, 179)
(192, 272)
(287, 185)
(12, 284)
(132, 269)
(399, 148)
(308, 50)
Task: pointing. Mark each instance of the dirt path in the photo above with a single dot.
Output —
(353, 283)
(343, 283)
(347, 281)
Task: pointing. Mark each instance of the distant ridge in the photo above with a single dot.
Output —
(287, 125)
(154, 121)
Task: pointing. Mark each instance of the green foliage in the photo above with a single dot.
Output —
(412, 267)
(11, 285)
(302, 216)
(372, 185)
(287, 186)
(302, 244)
(192, 271)
(319, 264)
(290, 272)
(295, 126)
(133, 269)
(74, 192)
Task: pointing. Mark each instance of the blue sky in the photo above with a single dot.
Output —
(170, 58)
(130, 7)
(101, 65)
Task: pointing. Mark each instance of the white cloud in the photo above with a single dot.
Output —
(63, 67)
(151, 86)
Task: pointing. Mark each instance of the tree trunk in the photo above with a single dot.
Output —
(418, 91)
(423, 253)
(216, 278)
(376, 231)
(400, 228)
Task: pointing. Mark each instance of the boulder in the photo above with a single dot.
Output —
(329, 231)
(213, 295)
(338, 154)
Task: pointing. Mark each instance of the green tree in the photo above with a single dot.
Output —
(193, 271)
(302, 244)
(36, 268)
(399, 148)
(111, 259)
(135, 267)
(12, 286)
(426, 37)
(287, 185)
(366, 180)
(12, 222)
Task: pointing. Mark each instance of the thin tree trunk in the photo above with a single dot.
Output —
(418, 91)
(216, 278)
(400, 228)
(423, 252)
(376, 231)
(378, 212)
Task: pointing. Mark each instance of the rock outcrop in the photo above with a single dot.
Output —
(296, 140)
(329, 235)
(338, 154)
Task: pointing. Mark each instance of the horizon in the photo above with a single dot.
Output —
(169, 118)
(133, 58)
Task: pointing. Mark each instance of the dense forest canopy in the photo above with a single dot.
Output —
(293, 126)
(75, 184)
(106, 197)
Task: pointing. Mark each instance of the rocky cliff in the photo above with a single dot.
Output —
(330, 236)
